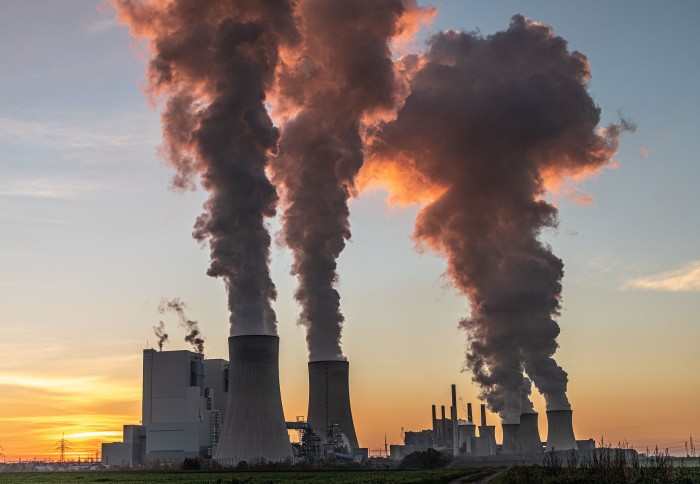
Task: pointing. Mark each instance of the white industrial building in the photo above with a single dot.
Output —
(184, 403)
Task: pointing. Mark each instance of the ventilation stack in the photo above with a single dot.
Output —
(529, 434)
(329, 399)
(255, 428)
(561, 431)
(510, 439)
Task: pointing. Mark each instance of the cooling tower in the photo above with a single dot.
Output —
(510, 439)
(254, 429)
(529, 434)
(561, 431)
(329, 398)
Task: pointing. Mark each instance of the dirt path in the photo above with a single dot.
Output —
(478, 478)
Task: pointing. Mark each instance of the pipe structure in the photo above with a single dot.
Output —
(255, 429)
(560, 435)
(435, 430)
(483, 415)
(529, 434)
(329, 399)
(469, 412)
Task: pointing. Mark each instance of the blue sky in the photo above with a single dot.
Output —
(92, 238)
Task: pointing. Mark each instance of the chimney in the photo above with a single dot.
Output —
(254, 429)
(329, 399)
(435, 430)
(560, 435)
(469, 412)
(529, 434)
(455, 435)
(510, 439)
(443, 427)
(483, 415)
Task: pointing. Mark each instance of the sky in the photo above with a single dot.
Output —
(92, 239)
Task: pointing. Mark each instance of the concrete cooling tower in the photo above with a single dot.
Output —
(561, 431)
(329, 398)
(529, 434)
(254, 429)
(510, 439)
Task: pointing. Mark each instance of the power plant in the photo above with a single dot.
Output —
(520, 441)
(231, 411)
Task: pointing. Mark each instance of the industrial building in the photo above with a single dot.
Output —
(183, 406)
(520, 440)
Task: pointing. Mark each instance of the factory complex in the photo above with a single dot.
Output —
(231, 411)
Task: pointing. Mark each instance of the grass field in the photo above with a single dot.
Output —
(317, 477)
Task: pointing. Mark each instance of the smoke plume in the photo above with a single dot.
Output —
(178, 306)
(490, 123)
(160, 333)
(214, 61)
(526, 405)
(343, 78)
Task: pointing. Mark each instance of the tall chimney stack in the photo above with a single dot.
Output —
(469, 412)
(560, 435)
(455, 434)
(435, 430)
(254, 429)
(483, 415)
(443, 427)
(329, 399)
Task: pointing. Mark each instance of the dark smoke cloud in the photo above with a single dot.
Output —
(215, 60)
(343, 78)
(159, 331)
(178, 306)
(489, 121)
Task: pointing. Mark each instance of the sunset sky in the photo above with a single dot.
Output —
(92, 239)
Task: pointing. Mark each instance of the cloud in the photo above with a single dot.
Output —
(54, 188)
(101, 26)
(685, 279)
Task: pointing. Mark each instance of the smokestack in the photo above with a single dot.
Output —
(435, 430)
(255, 428)
(510, 439)
(469, 412)
(560, 435)
(529, 434)
(329, 398)
(455, 435)
(483, 415)
(443, 427)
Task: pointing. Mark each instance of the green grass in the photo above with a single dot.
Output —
(313, 477)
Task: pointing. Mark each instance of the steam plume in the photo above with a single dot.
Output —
(160, 333)
(488, 122)
(193, 335)
(344, 78)
(215, 60)
(526, 405)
